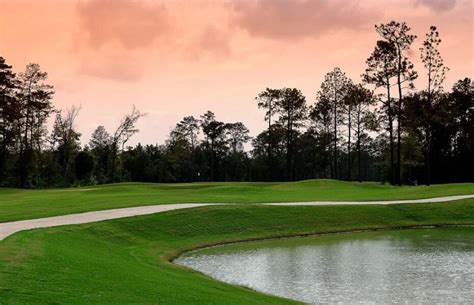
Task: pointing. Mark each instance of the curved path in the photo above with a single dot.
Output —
(8, 228)
(383, 202)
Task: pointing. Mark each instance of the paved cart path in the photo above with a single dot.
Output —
(8, 228)
(383, 202)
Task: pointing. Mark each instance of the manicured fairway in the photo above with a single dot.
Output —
(26, 204)
(126, 261)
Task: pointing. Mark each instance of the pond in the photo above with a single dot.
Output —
(426, 266)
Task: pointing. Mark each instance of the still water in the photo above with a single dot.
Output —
(432, 266)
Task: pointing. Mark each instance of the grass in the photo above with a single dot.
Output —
(18, 204)
(126, 261)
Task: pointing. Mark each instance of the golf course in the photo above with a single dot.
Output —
(129, 260)
(19, 204)
(233, 152)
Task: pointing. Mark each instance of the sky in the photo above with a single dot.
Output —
(177, 58)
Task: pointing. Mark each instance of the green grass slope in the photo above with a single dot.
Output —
(18, 204)
(126, 261)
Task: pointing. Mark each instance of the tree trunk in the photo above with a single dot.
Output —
(212, 162)
(335, 139)
(399, 133)
(24, 152)
(358, 149)
(399, 118)
(114, 158)
(349, 148)
(428, 136)
(288, 150)
(270, 144)
(428, 157)
(121, 163)
(390, 131)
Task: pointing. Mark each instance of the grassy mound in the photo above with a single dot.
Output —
(26, 204)
(126, 261)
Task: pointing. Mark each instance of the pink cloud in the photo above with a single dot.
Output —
(437, 5)
(133, 24)
(115, 67)
(114, 36)
(211, 41)
(282, 19)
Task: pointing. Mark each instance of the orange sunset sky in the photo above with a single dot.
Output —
(178, 58)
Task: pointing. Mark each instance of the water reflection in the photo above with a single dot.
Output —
(419, 266)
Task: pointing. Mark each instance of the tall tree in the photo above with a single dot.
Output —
(381, 68)
(35, 97)
(178, 155)
(364, 118)
(397, 34)
(462, 99)
(320, 115)
(65, 140)
(100, 138)
(236, 161)
(267, 100)
(126, 129)
(100, 145)
(238, 135)
(291, 106)
(436, 71)
(183, 141)
(9, 115)
(214, 132)
(348, 106)
(189, 128)
(334, 89)
(419, 121)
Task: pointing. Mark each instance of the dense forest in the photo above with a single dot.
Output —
(383, 129)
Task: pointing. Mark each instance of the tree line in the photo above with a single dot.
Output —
(382, 129)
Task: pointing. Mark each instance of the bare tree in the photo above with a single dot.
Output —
(122, 135)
